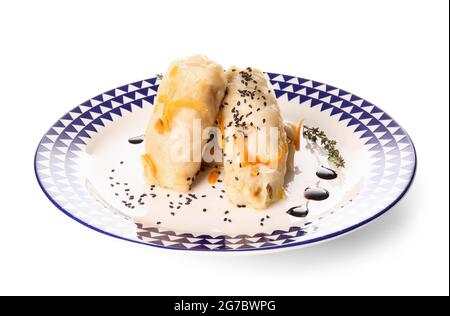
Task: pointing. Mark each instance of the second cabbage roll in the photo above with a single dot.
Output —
(254, 172)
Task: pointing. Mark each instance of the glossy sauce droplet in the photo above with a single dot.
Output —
(136, 140)
(299, 211)
(316, 194)
(326, 173)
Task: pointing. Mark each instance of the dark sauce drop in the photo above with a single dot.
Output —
(316, 194)
(136, 140)
(299, 211)
(326, 173)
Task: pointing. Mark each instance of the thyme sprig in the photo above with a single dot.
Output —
(160, 76)
(317, 136)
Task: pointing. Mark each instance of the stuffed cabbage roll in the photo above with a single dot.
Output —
(191, 91)
(256, 147)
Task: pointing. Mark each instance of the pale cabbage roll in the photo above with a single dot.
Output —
(192, 88)
(254, 176)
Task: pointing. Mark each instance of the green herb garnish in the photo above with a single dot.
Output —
(317, 136)
(159, 76)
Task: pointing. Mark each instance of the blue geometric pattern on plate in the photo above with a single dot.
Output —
(391, 149)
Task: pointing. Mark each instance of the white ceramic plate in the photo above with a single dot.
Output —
(88, 169)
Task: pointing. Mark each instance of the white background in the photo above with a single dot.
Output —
(56, 54)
